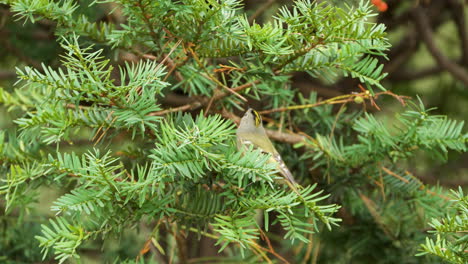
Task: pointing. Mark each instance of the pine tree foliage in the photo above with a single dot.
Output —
(63, 237)
(375, 153)
(101, 134)
(451, 239)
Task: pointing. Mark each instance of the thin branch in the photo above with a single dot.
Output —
(270, 248)
(426, 33)
(174, 99)
(145, 18)
(172, 66)
(7, 75)
(402, 52)
(186, 107)
(260, 10)
(374, 212)
(293, 138)
(11, 48)
(204, 101)
(335, 100)
(410, 75)
(290, 138)
(213, 78)
(340, 100)
(459, 17)
(391, 173)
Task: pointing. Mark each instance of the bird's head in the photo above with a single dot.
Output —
(251, 119)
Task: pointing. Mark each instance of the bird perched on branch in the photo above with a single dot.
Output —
(251, 132)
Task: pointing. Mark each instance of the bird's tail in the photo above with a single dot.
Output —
(287, 175)
(283, 169)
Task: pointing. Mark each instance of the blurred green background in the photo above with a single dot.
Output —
(414, 70)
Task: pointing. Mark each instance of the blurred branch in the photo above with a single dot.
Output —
(9, 47)
(290, 138)
(458, 11)
(402, 52)
(7, 74)
(425, 32)
(174, 99)
(260, 10)
(409, 75)
(308, 85)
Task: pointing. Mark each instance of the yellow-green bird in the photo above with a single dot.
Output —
(251, 132)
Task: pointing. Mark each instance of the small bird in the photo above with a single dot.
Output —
(251, 132)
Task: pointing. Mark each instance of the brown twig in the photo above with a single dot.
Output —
(172, 66)
(373, 210)
(340, 100)
(105, 131)
(309, 248)
(174, 99)
(270, 248)
(186, 107)
(166, 57)
(208, 75)
(391, 173)
(293, 138)
(290, 138)
(421, 187)
(333, 100)
(204, 101)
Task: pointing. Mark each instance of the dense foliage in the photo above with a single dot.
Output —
(134, 128)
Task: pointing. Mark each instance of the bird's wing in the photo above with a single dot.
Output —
(245, 143)
(283, 168)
